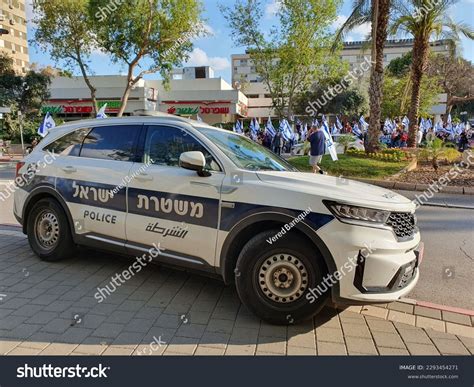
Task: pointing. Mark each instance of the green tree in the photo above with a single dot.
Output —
(296, 51)
(147, 36)
(64, 29)
(378, 13)
(424, 20)
(400, 66)
(396, 95)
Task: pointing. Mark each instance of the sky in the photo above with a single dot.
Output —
(215, 49)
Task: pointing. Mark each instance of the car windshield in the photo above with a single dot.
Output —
(245, 153)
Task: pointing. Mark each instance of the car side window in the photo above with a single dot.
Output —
(69, 144)
(113, 142)
(164, 145)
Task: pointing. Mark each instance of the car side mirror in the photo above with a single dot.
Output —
(195, 161)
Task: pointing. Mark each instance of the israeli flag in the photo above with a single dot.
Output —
(356, 130)
(198, 118)
(101, 112)
(334, 129)
(364, 125)
(429, 124)
(238, 127)
(388, 125)
(269, 128)
(338, 123)
(254, 126)
(315, 122)
(329, 142)
(438, 127)
(285, 129)
(405, 122)
(304, 132)
(47, 124)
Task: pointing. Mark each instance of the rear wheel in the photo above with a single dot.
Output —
(273, 280)
(48, 231)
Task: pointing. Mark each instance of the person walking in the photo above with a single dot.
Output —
(317, 148)
(277, 143)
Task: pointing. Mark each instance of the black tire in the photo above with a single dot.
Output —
(45, 214)
(258, 254)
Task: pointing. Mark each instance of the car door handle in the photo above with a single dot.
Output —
(69, 169)
(144, 177)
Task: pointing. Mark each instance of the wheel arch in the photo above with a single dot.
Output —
(254, 224)
(43, 192)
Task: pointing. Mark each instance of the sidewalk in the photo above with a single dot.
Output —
(50, 309)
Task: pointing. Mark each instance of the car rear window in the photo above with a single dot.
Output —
(69, 144)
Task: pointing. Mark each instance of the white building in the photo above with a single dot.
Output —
(213, 99)
(244, 74)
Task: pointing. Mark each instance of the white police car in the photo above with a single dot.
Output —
(218, 202)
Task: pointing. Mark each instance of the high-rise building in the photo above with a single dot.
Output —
(13, 38)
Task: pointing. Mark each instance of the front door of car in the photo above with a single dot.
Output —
(92, 180)
(172, 206)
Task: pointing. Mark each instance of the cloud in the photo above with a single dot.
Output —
(360, 32)
(272, 8)
(340, 20)
(199, 57)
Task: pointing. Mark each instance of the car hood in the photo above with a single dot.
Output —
(338, 189)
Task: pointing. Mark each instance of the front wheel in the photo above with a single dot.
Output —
(273, 280)
(48, 231)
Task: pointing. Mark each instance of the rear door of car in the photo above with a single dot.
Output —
(91, 177)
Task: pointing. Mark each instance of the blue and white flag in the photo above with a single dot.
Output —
(315, 123)
(329, 142)
(388, 126)
(47, 124)
(238, 127)
(405, 122)
(334, 129)
(356, 130)
(198, 118)
(304, 132)
(438, 127)
(254, 126)
(429, 124)
(364, 125)
(285, 130)
(101, 112)
(422, 124)
(338, 124)
(269, 128)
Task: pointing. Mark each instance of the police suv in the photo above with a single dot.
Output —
(217, 202)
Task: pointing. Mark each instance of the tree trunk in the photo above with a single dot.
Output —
(380, 15)
(418, 66)
(91, 87)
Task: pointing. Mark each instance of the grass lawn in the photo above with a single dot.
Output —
(352, 166)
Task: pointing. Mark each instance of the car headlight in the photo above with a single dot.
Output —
(354, 214)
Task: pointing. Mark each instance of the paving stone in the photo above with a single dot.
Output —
(422, 349)
(89, 349)
(456, 318)
(92, 321)
(450, 347)
(23, 331)
(44, 299)
(402, 307)
(220, 326)
(460, 330)
(110, 330)
(10, 322)
(414, 336)
(272, 330)
(355, 330)
(58, 349)
(390, 340)
(374, 311)
(240, 349)
(300, 351)
(334, 335)
(120, 317)
(271, 345)
(184, 345)
(128, 339)
(75, 334)
(149, 350)
(381, 326)
(468, 343)
(168, 321)
(217, 340)
(430, 323)
(401, 317)
(6, 346)
(27, 310)
(138, 325)
(360, 345)
(301, 338)
(118, 351)
(427, 312)
(57, 325)
(208, 351)
(42, 318)
(24, 351)
(191, 330)
(244, 335)
(392, 351)
(326, 348)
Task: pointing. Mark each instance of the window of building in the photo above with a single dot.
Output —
(115, 142)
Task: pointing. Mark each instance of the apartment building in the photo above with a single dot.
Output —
(245, 77)
(13, 39)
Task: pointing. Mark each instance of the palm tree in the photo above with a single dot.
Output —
(377, 12)
(424, 20)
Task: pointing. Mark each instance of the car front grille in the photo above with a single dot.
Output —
(403, 224)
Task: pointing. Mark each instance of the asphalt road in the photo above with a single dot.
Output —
(447, 271)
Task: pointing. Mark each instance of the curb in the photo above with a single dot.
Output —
(415, 187)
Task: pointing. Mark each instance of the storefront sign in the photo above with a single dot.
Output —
(192, 110)
(72, 108)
